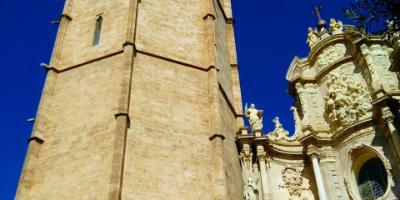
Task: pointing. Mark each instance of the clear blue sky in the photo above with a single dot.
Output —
(268, 35)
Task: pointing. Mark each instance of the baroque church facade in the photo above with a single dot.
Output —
(346, 143)
(142, 100)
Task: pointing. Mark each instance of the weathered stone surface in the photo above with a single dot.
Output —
(344, 116)
(151, 112)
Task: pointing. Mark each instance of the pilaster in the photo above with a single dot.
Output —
(262, 158)
(393, 132)
(65, 20)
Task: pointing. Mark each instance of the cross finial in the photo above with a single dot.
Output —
(321, 22)
(317, 11)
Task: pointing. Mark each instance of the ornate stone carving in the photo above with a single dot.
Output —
(363, 149)
(312, 37)
(336, 27)
(297, 121)
(331, 54)
(346, 101)
(301, 91)
(293, 183)
(255, 117)
(328, 154)
(252, 184)
(250, 174)
(279, 133)
(323, 33)
(261, 154)
(378, 61)
(250, 190)
(313, 151)
(246, 156)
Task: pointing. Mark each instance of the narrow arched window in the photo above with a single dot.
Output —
(372, 180)
(97, 31)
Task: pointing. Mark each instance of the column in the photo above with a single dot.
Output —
(262, 155)
(393, 133)
(313, 153)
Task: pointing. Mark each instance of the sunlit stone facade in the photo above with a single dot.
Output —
(142, 101)
(346, 144)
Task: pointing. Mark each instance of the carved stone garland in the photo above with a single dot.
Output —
(293, 182)
(346, 101)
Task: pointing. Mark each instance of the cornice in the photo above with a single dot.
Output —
(343, 133)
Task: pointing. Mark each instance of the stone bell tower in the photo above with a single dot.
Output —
(141, 101)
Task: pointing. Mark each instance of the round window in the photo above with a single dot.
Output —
(372, 179)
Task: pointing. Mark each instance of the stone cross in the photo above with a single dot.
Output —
(321, 22)
(317, 11)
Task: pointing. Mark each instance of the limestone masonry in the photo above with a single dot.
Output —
(142, 100)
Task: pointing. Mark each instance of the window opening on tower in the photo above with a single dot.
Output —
(97, 32)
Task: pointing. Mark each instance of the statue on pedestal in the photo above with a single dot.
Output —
(336, 26)
(279, 133)
(312, 37)
(255, 117)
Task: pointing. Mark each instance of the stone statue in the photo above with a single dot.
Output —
(336, 27)
(297, 122)
(279, 133)
(255, 117)
(312, 38)
(250, 189)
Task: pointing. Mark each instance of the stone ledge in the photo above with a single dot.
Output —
(222, 137)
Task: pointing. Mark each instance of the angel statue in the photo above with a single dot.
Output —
(255, 117)
(336, 26)
(312, 37)
(279, 132)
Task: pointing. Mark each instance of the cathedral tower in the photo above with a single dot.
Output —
(141, 101)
